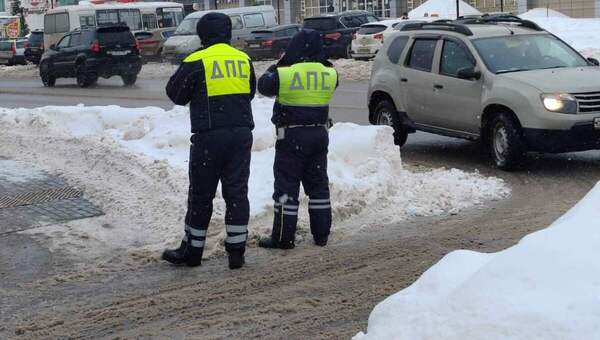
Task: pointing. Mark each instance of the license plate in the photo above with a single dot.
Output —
(118, 52)
(364, 50)
(597, 123)
(254, 45)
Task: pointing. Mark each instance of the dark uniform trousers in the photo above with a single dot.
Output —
(301, 157)
(219, 155)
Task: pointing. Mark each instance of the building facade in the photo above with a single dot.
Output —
(4, 7)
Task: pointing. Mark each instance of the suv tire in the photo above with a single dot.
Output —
(506, 142)
(386, 114)
(47, 79)
(129, 79)
(348, 51)
(84, 77)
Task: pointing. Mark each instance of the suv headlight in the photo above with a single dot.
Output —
(560, 102)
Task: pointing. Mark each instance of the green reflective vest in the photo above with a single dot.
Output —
(306, 84)
(227, 70)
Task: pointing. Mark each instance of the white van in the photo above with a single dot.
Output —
(244, 20)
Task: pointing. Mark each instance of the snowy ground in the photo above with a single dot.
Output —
(133, 163)
(348, 69)
(545, 287)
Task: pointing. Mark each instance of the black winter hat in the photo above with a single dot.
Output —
(214, 28)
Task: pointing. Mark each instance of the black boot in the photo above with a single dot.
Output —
(321, 241)
(271, 243)
(183, 255)
(236, 259)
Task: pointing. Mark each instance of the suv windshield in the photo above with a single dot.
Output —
(526, 52)
(187, 27)
(320, 24)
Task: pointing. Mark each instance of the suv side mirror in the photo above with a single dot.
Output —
(594, 61)
(469, 73)
(53, 47)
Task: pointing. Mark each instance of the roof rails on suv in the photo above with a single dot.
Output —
(500, 18)
(442, 25)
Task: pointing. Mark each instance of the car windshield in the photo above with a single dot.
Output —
(5, 45)
(187, 27)
(526, 52)
(36, 37)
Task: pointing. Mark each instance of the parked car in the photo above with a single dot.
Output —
(90, 53)
(338, 29)
(12, 52)
(270, 43)
(244, 20)
(34, 47)
(369, 37)
(513, 86)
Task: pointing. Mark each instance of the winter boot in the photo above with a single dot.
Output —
(321, 241)
(183, 255)
(236, 259)
(271, 243)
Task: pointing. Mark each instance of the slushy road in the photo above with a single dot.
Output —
(349, 104)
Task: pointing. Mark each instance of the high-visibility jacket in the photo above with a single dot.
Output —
(303, 92)
(219, 83)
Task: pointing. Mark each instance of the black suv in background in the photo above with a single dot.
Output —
(270, 43)
(87, 54)
(337, 30)
(34, 47)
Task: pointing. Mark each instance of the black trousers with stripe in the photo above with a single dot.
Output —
(219, 155)
(301, 157)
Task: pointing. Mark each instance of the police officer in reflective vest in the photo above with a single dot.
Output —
(303, 82)
(219, 83)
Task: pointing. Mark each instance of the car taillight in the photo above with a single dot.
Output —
(333, 36)
(95, 46)
(14, 47)
(267, 43)
(26, 44)
(136, 45)
(378, 37)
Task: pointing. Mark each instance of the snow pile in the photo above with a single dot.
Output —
(365, 170)
(18, 71)
(443, 9)
(582, 34)
(545, 287)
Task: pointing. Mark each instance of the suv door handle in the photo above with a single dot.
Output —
(404, 80)
(438, 86)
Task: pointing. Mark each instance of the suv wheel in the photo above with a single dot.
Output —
(84, 77)
(348, 51)
(506, 143)
(47, 79)
(386, 114)
(129, 79)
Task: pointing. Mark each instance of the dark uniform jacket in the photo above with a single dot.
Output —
(188, 85)
(306, 46)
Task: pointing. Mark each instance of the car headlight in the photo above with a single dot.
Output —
(559, 102)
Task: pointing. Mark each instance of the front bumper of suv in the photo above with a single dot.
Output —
(581, 137)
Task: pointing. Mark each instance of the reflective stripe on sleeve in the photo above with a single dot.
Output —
(290, 213)
(197, 232)
(236, 239)
(318, 200)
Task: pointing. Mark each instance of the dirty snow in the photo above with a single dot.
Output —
(545, 287)
(133, 163)
(348, 69)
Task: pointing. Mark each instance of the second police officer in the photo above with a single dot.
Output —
(303, 82)
(219, 83)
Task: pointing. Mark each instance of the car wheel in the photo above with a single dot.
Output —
(47, 79)
(84, 77)
(506, 142)
(386, 114)
(129, 79)
(348, 52)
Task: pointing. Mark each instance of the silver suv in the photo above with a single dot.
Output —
(501, 80)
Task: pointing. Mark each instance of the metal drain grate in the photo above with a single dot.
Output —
(37, 197)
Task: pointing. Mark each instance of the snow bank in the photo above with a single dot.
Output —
(582, 34)
(445, 9)
(365, 170)
(545, 287)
